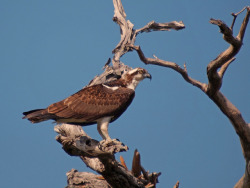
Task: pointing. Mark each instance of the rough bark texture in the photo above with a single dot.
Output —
(85, 179)
(102, 160)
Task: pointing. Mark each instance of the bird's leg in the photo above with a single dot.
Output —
(107, 144)
(102, 127)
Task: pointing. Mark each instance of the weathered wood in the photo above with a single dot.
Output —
(110, 73)
(153, 26)
(168, 64)
(101, 159)
(128, 33)
(77, 179)
(215, 72)
(100, 156)
(136, 164)
(215, 81)
(177, 184)
(76, 142)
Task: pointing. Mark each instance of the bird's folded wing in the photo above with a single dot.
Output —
(93, 102)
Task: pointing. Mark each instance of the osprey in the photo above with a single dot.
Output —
(101, 103)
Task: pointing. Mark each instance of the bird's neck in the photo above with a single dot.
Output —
(133, 84)
(127, 81)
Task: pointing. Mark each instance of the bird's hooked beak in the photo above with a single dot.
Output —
(147, 75)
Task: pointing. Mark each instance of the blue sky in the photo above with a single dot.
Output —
(51, 49)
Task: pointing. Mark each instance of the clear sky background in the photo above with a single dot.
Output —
(51, 49)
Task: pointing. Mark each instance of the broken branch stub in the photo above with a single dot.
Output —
(154, 26)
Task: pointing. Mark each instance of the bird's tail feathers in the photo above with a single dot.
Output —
(38, 115)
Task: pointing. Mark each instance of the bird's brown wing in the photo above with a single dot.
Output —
(92, 103)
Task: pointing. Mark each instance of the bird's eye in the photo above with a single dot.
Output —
(141, 71)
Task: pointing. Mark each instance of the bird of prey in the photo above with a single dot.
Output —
(101, 103)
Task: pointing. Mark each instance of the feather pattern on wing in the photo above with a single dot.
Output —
(92, 103)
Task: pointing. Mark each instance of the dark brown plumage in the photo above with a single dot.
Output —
(101, 104)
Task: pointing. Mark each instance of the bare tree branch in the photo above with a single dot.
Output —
(235, 16)
(168, 64)
(215, 79)
(102, 160)
(215, 72)
(234, 115)
(177, 184)
(126, 29)
(224, 67)
(244, 25)
(136, 164)
(123, 163)
(128, 34)
(153, 26)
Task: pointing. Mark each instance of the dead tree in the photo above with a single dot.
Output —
(102, 160)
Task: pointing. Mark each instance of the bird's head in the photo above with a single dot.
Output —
(134, 76)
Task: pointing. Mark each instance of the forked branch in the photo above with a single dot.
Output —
(226, 57)
(215, 72)
(128, 34)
